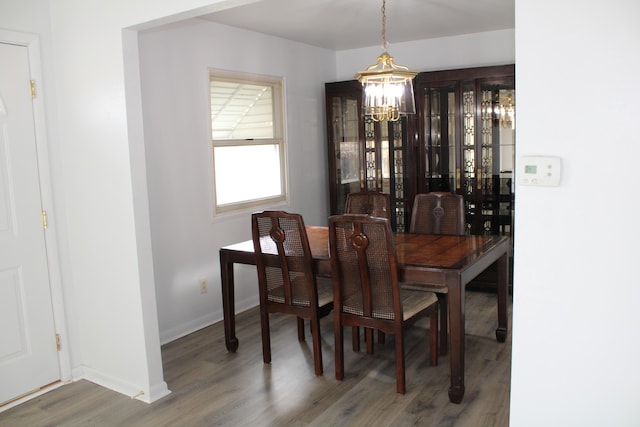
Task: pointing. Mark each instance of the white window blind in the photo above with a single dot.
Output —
(247, 123)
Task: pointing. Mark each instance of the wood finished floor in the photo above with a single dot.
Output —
(211, 387)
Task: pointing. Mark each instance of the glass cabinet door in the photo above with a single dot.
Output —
(467, 142)
(441, 163)
(497, 153)
(364, 155)
(344, 134)
(346, 154)
(470, 169)
(385, 170)
(488, 149)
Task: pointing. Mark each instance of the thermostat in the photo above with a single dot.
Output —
(539, 170)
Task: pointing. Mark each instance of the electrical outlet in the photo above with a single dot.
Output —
(203, 286)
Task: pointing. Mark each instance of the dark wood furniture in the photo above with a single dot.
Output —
(466, 141)
(367, 293)
(439, 213)
(435, 260)
(461, 140)
(376, 204)
(372, 203)
(365, 155)
(286, 280)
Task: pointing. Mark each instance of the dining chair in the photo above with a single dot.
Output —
(373, 203)
(286, 279)
(367, 293)
(438, 213)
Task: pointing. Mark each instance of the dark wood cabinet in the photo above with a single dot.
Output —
(466, 141)
(461, 139)
(365, 155)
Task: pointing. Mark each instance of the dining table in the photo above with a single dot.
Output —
(439, 262)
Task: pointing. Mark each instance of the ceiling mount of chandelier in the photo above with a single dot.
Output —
(387, 87)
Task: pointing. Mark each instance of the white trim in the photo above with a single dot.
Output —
(30, 396)
(155, 387)
(32, 43)
(158, 390)
(279, 138)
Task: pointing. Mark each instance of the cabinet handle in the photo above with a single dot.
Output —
(457, 178)
(362, 183)
(379, 179)
(479, 178)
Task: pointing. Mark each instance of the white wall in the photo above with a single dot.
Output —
(175, 85)
(576, 287)
(99, 204)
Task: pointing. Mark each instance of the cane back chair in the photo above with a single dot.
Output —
(286, 278)
(364, 271)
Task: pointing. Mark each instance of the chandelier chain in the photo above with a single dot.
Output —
(385, 44)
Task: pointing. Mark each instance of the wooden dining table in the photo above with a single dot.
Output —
(439, 261)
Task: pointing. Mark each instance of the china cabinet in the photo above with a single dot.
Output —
(365, 155)
(461, 139)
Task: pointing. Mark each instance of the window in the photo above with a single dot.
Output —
(247, 132)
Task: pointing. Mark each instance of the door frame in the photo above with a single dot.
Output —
(31, 42)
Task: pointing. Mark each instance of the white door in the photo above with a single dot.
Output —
(28, 353)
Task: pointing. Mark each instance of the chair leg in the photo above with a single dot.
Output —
(355, 338)
(433, 337)
(317, 348)
(339, 348)
(266, 339)
(444, 323)
(400, 376)
(370, 346)
(368, 339)
(300, 329)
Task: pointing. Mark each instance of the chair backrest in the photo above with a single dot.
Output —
(364, 267)
(283, 259)
(371, 203)
(438, 213)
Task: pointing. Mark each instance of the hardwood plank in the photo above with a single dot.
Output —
(211, 386)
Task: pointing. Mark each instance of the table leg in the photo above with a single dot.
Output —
(228, 302)
(456, 336)
(444, 323)
(502, 291)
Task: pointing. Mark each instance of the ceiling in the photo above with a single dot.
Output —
(351, 24)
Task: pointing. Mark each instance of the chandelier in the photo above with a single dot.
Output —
(501, 108)
(506, 111)
(387, 87)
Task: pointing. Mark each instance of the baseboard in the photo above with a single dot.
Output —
(154, 393)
